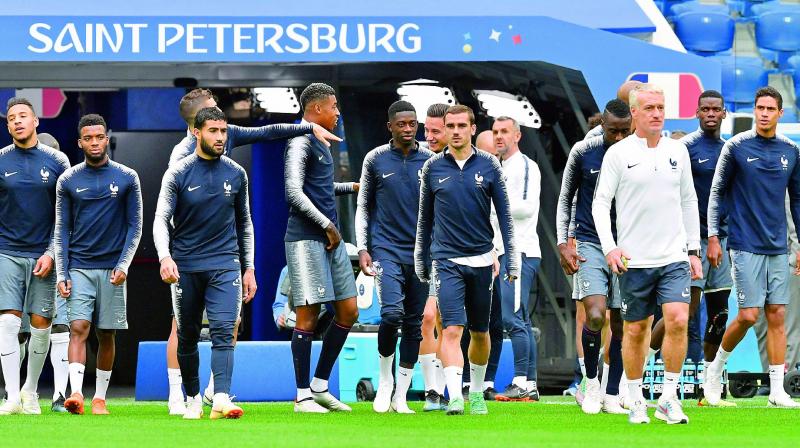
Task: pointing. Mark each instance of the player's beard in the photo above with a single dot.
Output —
(96, 159)
(209, 149)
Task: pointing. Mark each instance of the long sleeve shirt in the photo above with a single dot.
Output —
(242, 136)
(579, 181)
(310, 189)
(704, 152)
(388, 202)
(523, 184)
(455, 211)
(98, 218)
(751, 178)
(208, 204)
(657, 217)
(28, 198)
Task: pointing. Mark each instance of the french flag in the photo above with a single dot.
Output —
(681, 91)
(47, 103)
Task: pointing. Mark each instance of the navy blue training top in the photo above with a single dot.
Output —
(388, 202)
(580, 176)
(752, 176)
(455, 209)
(310, 189)
(28, 198)
(98, 218)
(704, 151)
(207, 203)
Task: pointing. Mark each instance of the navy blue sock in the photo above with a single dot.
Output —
(615, 368)
(591, 351)
(387, 339)
(301, 354)
(331, 347)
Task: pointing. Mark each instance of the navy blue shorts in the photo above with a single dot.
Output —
(402, 296)
(644, 290)
(465, 295)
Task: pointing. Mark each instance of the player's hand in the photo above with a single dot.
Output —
(356, 187)
(249, 285)
(65, 288)
(169, 271)
(365, 263)
(324, 135)
(281, 322)
(118, 277)
(714, 251)
(797, 264)
(615, 262)
(569, 258)
(334, 238)
(495, 265)
(695, 267)
(43, 266)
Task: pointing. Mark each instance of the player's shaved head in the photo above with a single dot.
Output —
(485, 142)
(624, 91)
(48, 140)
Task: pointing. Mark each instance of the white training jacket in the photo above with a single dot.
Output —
(524, 204)
(657, 216)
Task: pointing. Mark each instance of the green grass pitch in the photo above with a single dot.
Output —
(555, 421)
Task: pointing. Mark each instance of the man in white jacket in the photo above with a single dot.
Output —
(523, 182)
(657, 250)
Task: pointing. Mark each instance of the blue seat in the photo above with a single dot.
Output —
(789, 114)
(770, 6)
(779, 30)
(707, 32)
(695, 6)
(741, 77)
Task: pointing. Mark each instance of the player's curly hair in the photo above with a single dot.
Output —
(315, 92)
(91, 120)
(206, 114)
(617, 108)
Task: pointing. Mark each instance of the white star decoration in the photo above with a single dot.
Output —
(495, 35)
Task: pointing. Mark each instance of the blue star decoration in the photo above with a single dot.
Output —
(467, 36)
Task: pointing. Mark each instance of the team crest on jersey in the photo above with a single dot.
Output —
(478, 179)
(784, 162)
(227, 187)
(45, 174)
(114, 189)
(624, 307)
(321, 291)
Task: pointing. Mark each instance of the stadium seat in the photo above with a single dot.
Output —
(789, 114)
(777, 30)
(770, 6)
(695, 6)
(741, 77)
(705, 32)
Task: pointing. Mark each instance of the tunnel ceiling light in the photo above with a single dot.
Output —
(497, 103)
(279, 100)
(421, 93)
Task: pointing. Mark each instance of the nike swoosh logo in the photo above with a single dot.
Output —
(594, 171)
(442, 180)
(194, 188)
(65, 360)
(387, 175)
(6, 354)
(752, 159)
(42, 353)
(631, 166)
(320, 157)
(702, 160)
(80, 190)
(11, 174)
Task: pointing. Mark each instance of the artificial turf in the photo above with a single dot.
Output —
(555, 421)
